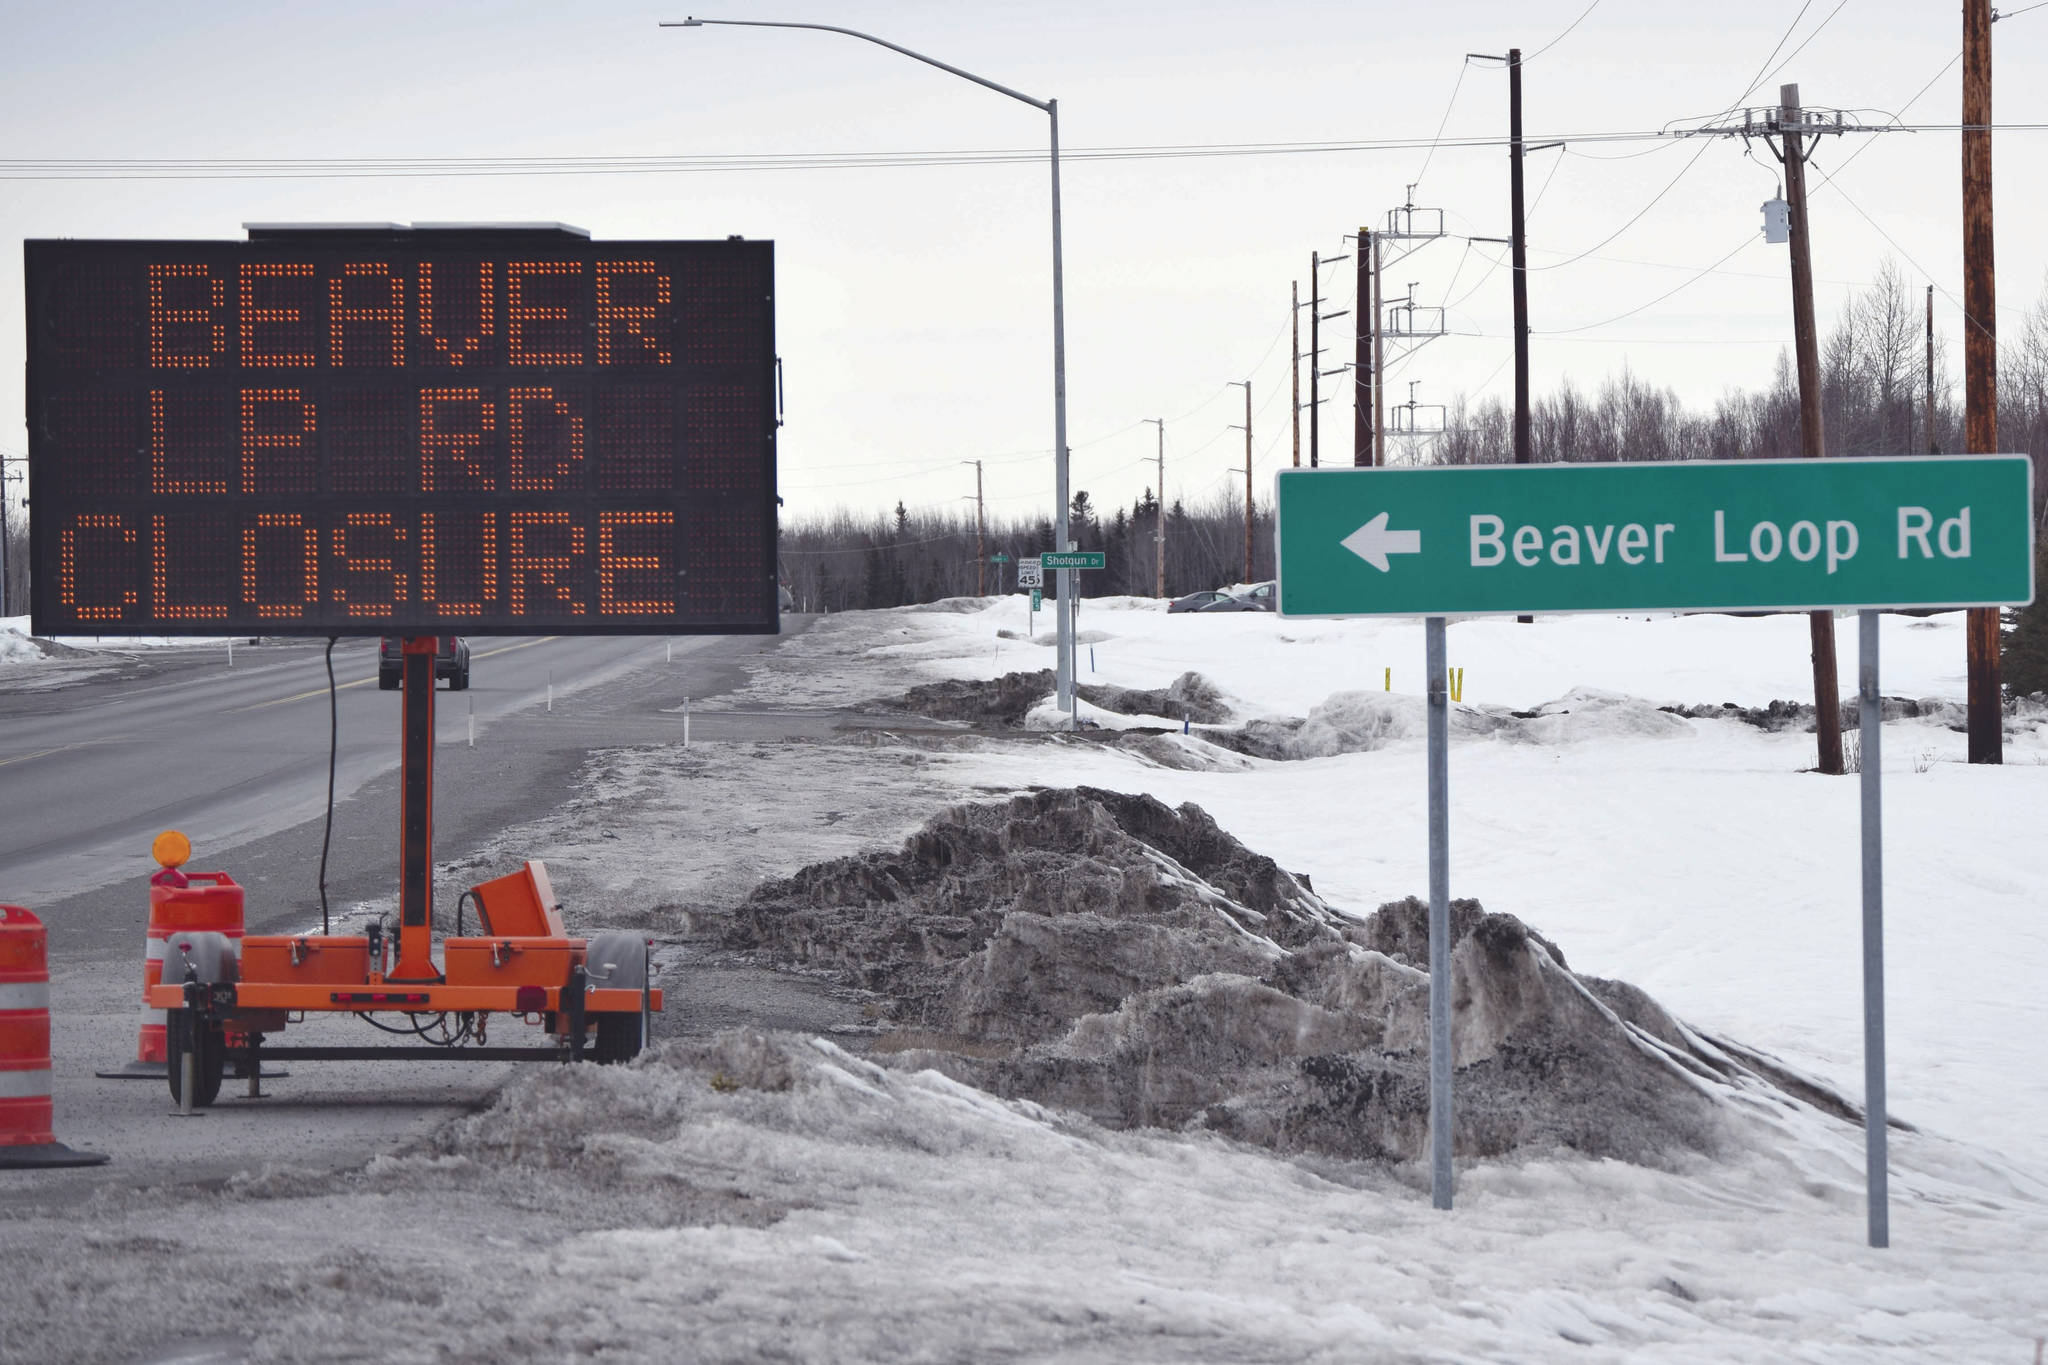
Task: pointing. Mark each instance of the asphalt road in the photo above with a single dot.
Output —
(91, 771)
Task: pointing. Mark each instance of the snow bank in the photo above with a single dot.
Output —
(1266, 665)
(758, 1197)
(1108, 955)
(15, 646)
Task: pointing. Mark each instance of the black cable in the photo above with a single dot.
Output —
(333, 742)
(1562, 36)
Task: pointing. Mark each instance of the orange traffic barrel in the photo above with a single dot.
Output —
(25, 1136)
(178, 901)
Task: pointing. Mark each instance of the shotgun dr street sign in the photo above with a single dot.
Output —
(1946, 531)
(1073, 559)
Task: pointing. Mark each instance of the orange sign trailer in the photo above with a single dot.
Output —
(591, 995)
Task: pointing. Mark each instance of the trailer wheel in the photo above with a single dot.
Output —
(209, 1063)
(618, 1038)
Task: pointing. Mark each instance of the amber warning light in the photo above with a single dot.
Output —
(446, 431)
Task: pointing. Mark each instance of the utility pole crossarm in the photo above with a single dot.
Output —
(1775, 121)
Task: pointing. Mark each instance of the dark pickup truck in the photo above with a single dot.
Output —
(451, 661)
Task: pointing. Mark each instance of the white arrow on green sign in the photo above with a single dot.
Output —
(1947, 531)
(1072, 559)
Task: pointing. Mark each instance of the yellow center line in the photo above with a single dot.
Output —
(359, 682)
(507, 649)
(60, 749)
(316, 692)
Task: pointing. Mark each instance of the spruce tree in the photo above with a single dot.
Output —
(2023, 641)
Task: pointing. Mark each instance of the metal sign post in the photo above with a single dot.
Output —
(1439, 916)
(1869, 715)
(1768, 535)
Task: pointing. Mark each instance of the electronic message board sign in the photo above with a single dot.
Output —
(391, 430)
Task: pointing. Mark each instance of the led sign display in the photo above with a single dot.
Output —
(402, 431)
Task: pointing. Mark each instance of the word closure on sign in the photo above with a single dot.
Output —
(1948, 531)
(391, 430)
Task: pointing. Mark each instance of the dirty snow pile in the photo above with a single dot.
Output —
(1107, 955)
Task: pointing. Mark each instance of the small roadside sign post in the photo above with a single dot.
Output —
(999, 559)
(1071, 558)
(1762, 535)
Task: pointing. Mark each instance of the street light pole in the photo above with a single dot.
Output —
(1064, 608)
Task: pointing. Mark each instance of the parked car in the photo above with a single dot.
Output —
(1258, 597)
(1196, 601)
(451, 661)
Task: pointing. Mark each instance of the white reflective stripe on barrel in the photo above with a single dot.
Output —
(153, 949)
(25, 995)
(25, 1085)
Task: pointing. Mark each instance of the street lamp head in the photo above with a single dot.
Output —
(691, 22)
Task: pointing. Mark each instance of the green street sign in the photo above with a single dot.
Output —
(1943, 531)
(999, 558)
(1072, 559)
(1037, 598)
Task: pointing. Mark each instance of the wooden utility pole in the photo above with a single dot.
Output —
(1246, 385)
(1315, 356)
(1827, 702)
(1159, 536)
(1519, 255)
(1379, 357)
(1980, 358)
(1518, 263)
(1933, 446)
(1362, 376)
(1295, 315)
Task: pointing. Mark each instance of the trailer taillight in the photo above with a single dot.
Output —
(530, 1000)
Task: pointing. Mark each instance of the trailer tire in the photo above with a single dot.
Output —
(618, 1038)
(209, 1063)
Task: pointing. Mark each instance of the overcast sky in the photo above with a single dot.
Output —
(914, 311)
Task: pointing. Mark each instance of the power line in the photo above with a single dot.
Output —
(458, 168)
(1463, 65)
(1568, 33)
(1797, 50)
(1681, 285)
(1748, 90)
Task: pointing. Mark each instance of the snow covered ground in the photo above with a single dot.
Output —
(38, 664)
(783, 1199)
